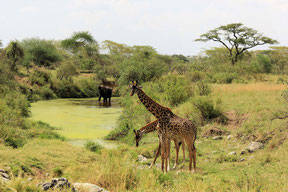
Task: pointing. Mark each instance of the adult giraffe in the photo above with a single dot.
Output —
(169, 126)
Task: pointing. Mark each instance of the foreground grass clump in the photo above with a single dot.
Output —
(92, 146)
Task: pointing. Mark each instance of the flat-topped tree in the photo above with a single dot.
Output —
(236, 38)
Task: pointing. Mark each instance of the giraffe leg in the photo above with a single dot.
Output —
(177, 153)
(168, 154)
(194, 158)
(162, 153)
(189, 144)
(157, 155)
(165, 148)
(183, 149)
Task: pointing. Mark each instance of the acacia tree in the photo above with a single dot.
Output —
(81, 40)
(236, 38)
(14, 53)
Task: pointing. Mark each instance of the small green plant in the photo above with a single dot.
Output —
(57, 172)
(94, 147)
(165, 179)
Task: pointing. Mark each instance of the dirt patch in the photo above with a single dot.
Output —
(244, 137)
(235, 120)
(214, 131)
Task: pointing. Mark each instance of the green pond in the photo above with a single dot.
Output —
(79, 120)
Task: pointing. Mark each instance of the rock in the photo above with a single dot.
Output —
(242, 159)
(254, 146)
(217, 138)
(47, 186)
(232, 153)
(58, 183)
(3, 171)
(4, 175)
(30, 179)
(229, 137)
(141, 158)
(88, 187)
(242, 152)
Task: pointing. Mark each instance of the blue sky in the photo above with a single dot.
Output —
(170, 26)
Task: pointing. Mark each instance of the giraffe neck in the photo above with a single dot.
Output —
(156, 109)
(150, 127)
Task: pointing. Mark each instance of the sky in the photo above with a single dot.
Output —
(170, 26)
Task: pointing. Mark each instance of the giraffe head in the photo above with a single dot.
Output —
(134, 87)
(138, 137)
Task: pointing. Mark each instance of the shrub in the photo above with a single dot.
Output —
(88, 87)
(203, 88)
(176, 89)
(94, 147)
(40, 78)
(57, 172)
(45, 92)
(208, 109)
(195, 76)
(225, 78)
(67, 70)
(18, 102)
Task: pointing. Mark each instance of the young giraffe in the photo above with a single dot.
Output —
(150, 127)
(169, 126)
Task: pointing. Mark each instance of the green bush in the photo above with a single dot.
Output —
(88, 87)
(144, 64)
(94, 147)
(203, 88)
(57, 172)
(195, 76)
(40, 78)
(176, 89)
(41, 52)
(17, 102)
(67, 70)
(223, 78)
(209, 111)
(45, 92)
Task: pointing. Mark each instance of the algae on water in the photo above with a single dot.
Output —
(78, 118)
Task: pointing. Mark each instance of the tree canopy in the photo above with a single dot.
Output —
(14, 53)
(236, 38)
(40, 51)
(81, 40)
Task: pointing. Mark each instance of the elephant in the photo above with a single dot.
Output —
(105, 92)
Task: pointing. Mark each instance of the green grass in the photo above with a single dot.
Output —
(119, 170)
